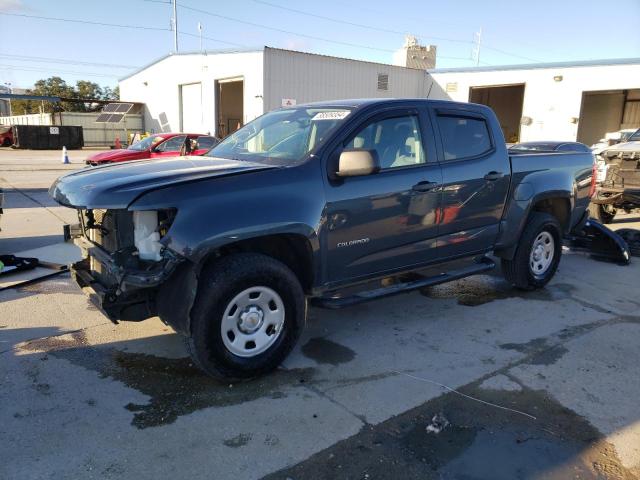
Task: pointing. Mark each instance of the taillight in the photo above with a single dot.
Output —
(594, 174)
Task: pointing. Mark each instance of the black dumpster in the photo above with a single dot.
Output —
(47, 137)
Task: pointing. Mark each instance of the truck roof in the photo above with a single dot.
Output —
(365, 102)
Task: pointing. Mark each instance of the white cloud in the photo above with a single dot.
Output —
(11, 6)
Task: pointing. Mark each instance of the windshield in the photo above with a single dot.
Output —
(635, 137)
(145, 143)
(281, 136)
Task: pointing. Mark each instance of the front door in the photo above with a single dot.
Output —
(385, 221)
(169, 148)
(475, 181)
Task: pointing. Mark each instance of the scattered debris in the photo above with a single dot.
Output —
(438, 423)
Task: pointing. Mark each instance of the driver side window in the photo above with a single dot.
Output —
(396, 140)
(172, 145)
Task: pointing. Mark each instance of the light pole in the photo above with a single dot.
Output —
(175, 26)
(8, 84)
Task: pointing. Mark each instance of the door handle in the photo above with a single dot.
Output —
(493, 176)
(425, 186)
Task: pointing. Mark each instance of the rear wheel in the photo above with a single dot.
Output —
(248, 315)
(538, 254)
(602, 213)
(6, 142)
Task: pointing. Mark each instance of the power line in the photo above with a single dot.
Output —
(360, 25)
(297, 34)
(36, 69)
(204, 37)
(27, 58)
(87, 22)
(387, 30)
(117, 25)
(275, 29)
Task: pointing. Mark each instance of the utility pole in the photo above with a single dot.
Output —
(476, 49)
(174, 21)
(200, 35)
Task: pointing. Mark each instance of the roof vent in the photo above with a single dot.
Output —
(383, 81)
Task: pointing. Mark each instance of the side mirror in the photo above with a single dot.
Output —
(356, 162)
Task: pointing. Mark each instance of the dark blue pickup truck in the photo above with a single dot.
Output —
(319, 203)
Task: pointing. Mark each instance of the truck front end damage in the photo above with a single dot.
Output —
(124, 260)
(620, 177)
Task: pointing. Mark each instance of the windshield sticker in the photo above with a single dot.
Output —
(338, 115)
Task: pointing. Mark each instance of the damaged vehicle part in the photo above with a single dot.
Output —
(618, 180)
(600, 242)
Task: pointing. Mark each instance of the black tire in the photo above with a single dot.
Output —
(518, 271)
(6, 142)
(218, 285)
(601, 213)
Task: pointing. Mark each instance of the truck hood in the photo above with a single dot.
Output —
(117, 156)
(118, 185)
(623, 147)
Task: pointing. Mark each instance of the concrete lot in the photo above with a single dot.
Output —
(547, 382)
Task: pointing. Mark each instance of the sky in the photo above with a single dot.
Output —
(83, 47)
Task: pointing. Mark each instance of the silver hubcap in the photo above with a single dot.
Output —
(542, 253)
(252, 321)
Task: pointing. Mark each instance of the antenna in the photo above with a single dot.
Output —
(174, 24)
(477, 39)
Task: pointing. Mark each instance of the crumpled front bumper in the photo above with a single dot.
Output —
(131, 296)
(616, 196)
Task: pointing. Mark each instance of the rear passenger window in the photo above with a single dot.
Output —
(463, 137)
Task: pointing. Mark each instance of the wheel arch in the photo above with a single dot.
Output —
(558, 203)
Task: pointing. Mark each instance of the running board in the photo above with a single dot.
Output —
(483, 265)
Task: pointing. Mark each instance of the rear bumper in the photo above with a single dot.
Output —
(131, 295)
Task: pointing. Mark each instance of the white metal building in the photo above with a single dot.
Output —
(553, 101)
(219, 90)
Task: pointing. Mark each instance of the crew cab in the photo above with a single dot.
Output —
(157, 146)
(331, 203)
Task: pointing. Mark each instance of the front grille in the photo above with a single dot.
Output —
(623, 174)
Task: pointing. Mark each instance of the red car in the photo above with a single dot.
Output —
(6, 135)
(157, 146)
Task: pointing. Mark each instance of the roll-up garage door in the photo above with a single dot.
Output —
(191, 108)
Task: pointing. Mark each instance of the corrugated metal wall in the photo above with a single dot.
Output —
(101, 134)
(307, 77)
(31, 119)
(95, 134)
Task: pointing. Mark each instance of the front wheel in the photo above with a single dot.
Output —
(247, 316)
(602, 213)
(537, 255)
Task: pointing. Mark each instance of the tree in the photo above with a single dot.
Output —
(57, 87)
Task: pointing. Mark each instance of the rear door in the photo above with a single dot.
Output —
(384, 221)
(475, 181)
(203, 144)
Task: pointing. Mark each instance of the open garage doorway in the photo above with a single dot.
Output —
(607, 111)
(229, 106)
(506, 101)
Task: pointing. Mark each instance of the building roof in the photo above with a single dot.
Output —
(532, 66)
(251, 50)
(197, 52)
